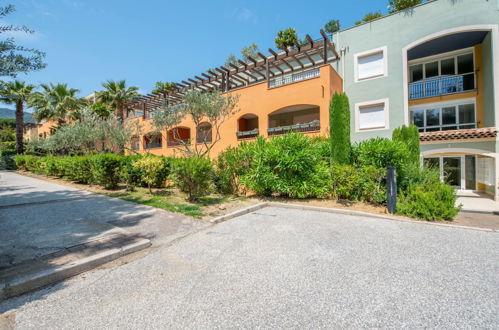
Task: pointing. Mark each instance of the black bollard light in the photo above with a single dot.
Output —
(391, 189)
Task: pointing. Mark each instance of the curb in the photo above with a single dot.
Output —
(337, 211)
(45, 277)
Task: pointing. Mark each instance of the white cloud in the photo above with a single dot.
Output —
(245, 14)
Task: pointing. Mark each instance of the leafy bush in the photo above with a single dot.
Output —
(380, 153)
(409, 135)
(358, 184)
(288, 166)
(429, 199)
(7, 159)
(231, 165)
(130, 176)
(106, 169)
(193, 175)
(151, 168)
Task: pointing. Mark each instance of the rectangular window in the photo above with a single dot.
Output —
(372, 116)
(444, 117)
(370, 65)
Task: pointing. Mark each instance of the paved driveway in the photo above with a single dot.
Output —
(38, 218)
(282, 268)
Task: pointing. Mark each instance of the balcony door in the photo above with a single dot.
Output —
(457, 171)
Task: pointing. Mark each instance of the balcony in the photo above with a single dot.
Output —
(444, 85)
(247, 134)
(295, 77)
(308, 127)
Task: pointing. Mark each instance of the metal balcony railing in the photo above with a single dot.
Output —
(247, 134)
(295, 77)
(308, 127)
(153, 145)
(447, 127)
(442, 85)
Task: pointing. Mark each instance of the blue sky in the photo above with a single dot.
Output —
(88, 42)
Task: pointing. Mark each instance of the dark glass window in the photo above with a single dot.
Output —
(418, 118)
(447, 67)
(416, 72)
(431, 69)
(448, 115)
(465, 64)
(466, 113)
(432, 117)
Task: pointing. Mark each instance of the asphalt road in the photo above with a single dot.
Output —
(282, 268)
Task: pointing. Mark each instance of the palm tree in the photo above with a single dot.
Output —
(17, 92)
(117, 95)
(57, 102)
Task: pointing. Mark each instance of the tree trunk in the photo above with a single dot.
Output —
(119, 112)
(19, 127)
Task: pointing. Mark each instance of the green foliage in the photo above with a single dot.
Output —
(249, 51)
(116, 95)
(397, 5)
(339, 117)
(193, 175)
(231, 165)
(164, 87)
(380, 153)
(57, 102)
(410, 137)
(106, 169)
(14, 58)
(151, 169)
(365, 184)
(370, 17)
(332, 26)
(7, 159)
(428, 198)
(286, 38)
(287, 166)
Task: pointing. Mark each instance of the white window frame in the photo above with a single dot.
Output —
(441, 105)
(356, 56)
(360, 105)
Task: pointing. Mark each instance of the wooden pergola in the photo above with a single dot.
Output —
(256, 70)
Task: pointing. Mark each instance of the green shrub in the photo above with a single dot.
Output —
(287, 166)
(380, 153)
(231, 165)
(365, 184)
(410, 137)
(7, 159)
(77, 168)
(151, 168)
(106, 169)
(193, 175)
(130, 176)
(429, 200)
(339, 126)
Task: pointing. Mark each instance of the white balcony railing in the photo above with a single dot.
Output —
(443, 85)
(295, 77)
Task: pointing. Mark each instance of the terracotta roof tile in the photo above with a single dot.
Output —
(460, 134)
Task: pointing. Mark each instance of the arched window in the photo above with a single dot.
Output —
(204, 133)
(247, 126)
(153, 140)
(301, 118)
(178, 136)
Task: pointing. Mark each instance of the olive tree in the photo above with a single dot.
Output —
(211, 108)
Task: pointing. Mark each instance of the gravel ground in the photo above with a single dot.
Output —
(282, 268)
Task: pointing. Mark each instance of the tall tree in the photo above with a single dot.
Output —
(18, 93)
(57, 102)
(369, 17)
(397, 5)
(286, 38)
(16, 59)
(117, 95)
(339, 126)
(332, 26)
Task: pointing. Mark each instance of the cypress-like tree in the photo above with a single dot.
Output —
(339, 126)
(410, 137)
